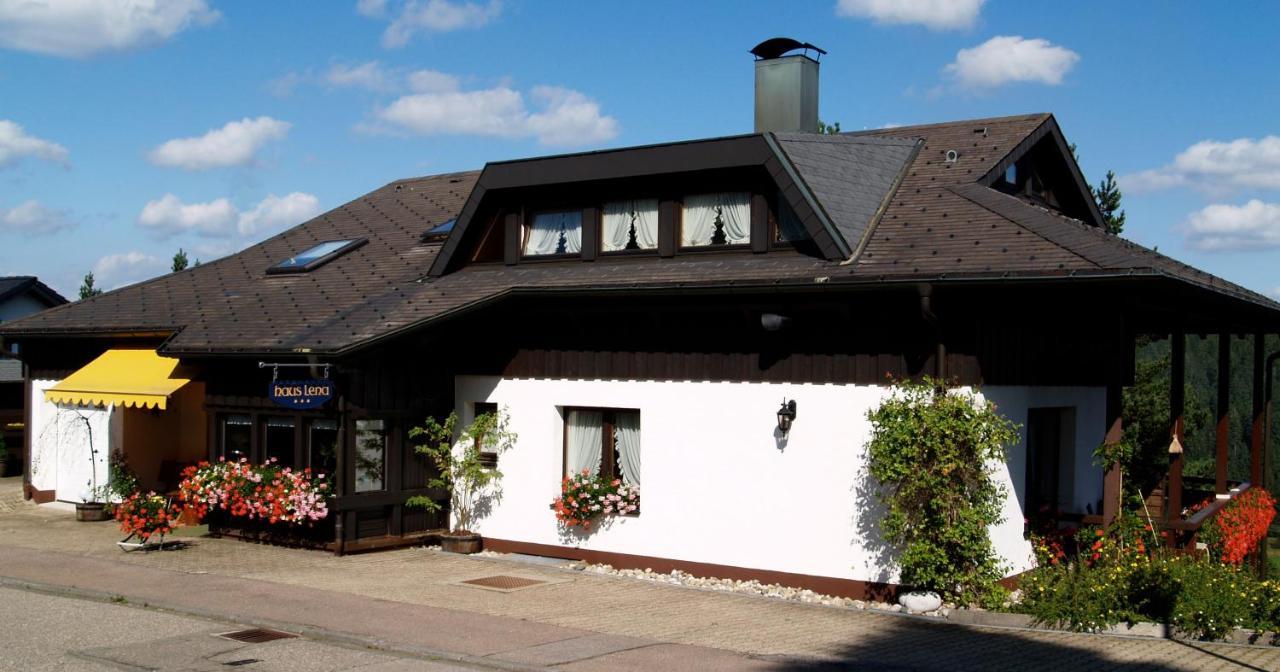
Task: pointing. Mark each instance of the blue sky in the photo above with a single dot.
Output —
(129, 128)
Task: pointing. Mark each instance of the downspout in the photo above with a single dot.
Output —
(926, 312)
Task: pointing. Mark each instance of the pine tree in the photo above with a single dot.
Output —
(86, 288)
(832, 129)
(1108, 196)
(180, 260)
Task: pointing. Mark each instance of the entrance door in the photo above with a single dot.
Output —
(1050, 459)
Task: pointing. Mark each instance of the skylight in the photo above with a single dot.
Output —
(440, 231)
(316, 256)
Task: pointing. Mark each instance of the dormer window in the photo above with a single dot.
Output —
(629, 225)
(316, 256)
(715, 220)
(553, 233)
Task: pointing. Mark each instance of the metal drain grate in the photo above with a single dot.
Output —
(503, 582)
(256, 635)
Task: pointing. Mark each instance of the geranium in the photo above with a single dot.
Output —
(584, 497)
(1239, 526)
(263, 491)
(145, 515)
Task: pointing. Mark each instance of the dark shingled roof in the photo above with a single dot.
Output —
(851, 176)
(939, 222)
(17, 284)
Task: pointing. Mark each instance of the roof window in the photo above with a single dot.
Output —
(316, 256)
(440, 231)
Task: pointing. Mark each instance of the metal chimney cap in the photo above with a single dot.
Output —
(778, 46)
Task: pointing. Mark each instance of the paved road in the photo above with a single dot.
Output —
(413, 600)
(41, 632)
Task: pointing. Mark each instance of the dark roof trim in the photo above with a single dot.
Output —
(1048, 128)
(804, 199)
(30, 284)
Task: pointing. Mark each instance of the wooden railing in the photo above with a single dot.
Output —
(1187, 529)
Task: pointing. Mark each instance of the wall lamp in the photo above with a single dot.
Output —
(786, 415)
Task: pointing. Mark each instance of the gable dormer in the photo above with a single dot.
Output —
(1042, 170)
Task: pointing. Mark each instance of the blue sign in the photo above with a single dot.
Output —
(301, 393)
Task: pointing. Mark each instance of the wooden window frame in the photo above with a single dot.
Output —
(649, 252)
(257, 423)
(608, 451)
(526, 227)
(681, 248)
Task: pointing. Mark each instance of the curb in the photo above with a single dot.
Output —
(345, 640)
(1141, 629)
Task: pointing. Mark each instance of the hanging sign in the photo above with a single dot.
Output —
(312, 393)
(300, 394)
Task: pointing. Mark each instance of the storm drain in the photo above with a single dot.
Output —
(256, 635)
(503, 582)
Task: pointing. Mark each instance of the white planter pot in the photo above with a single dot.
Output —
(920, 601)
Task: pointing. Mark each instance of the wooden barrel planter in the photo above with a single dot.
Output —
(461, 543)
(91, 512)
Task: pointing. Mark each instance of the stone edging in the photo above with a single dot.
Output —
(999, 619)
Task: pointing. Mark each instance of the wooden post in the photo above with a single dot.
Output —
(1177, 406)
(1259, 409)
(1222, 456)
(1111, 481)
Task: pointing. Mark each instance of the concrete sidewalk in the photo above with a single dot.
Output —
(413, 599)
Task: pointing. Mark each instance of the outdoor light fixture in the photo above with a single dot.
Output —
(786, 415)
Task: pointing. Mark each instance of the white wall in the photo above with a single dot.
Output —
(717, 485)
(60, 455)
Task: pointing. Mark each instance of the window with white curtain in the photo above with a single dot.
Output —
(709, 220)
(629, 225)
(603, 441)
(548, 233)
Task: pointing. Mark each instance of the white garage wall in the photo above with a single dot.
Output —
(718, 485)
(60, 455)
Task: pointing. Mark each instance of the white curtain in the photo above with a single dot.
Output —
(543, 234)
(626, 437)
(586, 438)
(698, 226)
(618, 218)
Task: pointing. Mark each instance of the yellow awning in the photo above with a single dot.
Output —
(137, 378)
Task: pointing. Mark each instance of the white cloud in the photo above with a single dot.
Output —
(1215, 167)
(933, 14)
(168, 216)
(1011, 59)
(371, 8)
(1225, 228)
(16, 143)
(276, 213)
(432, 81)
(232, 145)
(370, 75)
(434, 16)
(117, 270)
(79, 28)
(564, 116)
(34, 219)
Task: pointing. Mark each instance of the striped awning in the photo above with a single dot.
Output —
(131, 378)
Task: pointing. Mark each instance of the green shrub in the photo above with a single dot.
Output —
(933, 451)
(1200, 598)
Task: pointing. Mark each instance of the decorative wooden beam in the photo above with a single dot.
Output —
(1177, 409)
(1258, 432)
(1222, 455)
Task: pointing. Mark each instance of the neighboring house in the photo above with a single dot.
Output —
(20, 296)
(645, 311)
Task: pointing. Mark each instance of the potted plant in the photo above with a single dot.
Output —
(95, 509)
(122, 482)
(466, 469)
